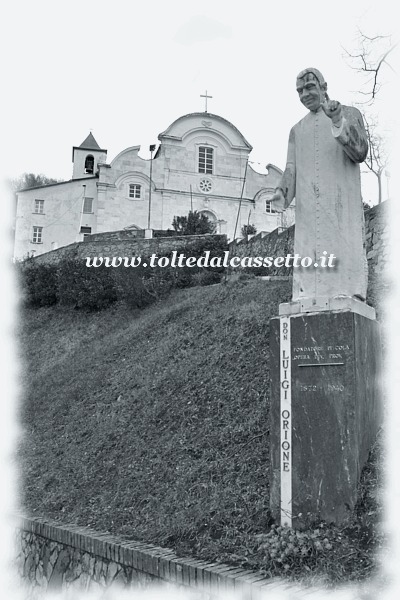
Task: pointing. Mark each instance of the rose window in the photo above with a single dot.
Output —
(205, 185)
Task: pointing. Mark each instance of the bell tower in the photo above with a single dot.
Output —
(86, 157)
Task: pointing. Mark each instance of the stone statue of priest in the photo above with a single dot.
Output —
(323, 174)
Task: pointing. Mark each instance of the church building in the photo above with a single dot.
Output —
(201, 164)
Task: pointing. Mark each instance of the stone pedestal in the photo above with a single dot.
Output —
(323, 303)
(333, 378)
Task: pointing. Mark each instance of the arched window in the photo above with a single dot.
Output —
(89, 164)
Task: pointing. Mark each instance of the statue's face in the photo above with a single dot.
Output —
(311, 93)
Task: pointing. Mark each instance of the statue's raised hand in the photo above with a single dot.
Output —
(278, 201)
(333, 110)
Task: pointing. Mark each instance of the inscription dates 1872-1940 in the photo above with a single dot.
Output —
(332, 365)
(326, 355)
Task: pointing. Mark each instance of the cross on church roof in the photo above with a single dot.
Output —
(206, 97)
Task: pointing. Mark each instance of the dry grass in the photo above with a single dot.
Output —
(154, 425)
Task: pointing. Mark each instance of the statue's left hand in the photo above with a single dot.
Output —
(333, 110)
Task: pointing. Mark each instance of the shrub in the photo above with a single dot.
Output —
(158, 281)
(38, 283)
(83, 287)
(194, 224)
(248, 230)
(216, 246)
(130, 287)
(188, 276)
(206, 278)
(288, 549)
(71, 282)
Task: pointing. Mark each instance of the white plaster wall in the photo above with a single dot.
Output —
(62, 217)
(78, 170)
(174, 174)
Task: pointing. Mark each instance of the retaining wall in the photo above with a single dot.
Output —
(281, 242)
(378, 248)
(115, 243)
(54, 558)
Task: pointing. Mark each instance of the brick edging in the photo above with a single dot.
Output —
(159, 562)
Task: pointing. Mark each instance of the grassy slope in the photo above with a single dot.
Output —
(154, 424)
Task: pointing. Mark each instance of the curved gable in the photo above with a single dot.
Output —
(131, 152)
(205, 123)
(274, 169)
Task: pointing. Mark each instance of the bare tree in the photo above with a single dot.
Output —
(31, 180)
(377, 158)
(27, 181)
(370, 59)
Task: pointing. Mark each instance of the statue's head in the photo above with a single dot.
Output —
(311, 87)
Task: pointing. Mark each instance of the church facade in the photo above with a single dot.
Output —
(202, 164)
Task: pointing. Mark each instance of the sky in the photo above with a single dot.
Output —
(126, 70)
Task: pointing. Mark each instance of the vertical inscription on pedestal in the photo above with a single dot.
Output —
(286, 422)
